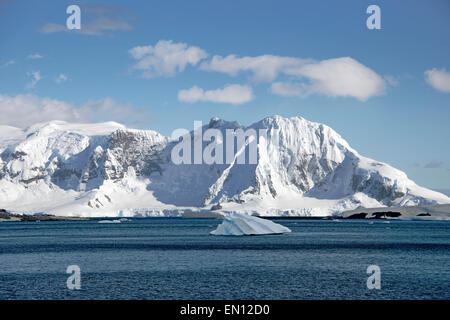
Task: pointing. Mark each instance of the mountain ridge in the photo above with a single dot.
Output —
(109, 170)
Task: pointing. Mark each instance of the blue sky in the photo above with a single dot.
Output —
(395, 112)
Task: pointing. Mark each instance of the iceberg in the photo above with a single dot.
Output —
(109, 221)
(237, 224)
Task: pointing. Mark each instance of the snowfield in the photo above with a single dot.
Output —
(105, 169)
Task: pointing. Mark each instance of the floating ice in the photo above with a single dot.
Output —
(109, 221)
(236, 224)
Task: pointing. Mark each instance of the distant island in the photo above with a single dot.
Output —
(6, 216)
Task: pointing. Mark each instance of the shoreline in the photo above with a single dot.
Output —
(6, 216)
(435, 212)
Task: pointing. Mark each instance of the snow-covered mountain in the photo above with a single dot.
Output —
(106, 169)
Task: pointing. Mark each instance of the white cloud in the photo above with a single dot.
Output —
(234, 94)
(287, 89)
(344, 77)
(24, 110)
(391, 80)
(61, 78)
(438, 79)
(7, 63)
(165, 58)
(35, 56)
(333, 77)
(35, 78)
(51, 27)
(96, 27)
(264, 68)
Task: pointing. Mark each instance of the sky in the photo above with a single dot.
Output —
(162, 65)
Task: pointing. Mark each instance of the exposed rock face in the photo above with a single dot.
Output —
(297, 160)
(73, 161)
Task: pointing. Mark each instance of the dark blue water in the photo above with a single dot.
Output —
(175, 258)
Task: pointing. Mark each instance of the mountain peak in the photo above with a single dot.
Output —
(216, 123)
(302, 168)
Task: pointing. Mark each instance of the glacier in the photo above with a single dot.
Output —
(106, 169)
(235, 224)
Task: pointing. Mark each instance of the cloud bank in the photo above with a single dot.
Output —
(338, 77)
(24, 110)
(234, 94)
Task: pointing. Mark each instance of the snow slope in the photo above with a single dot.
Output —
(104, 169)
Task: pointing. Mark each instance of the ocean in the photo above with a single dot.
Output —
(176, 258)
